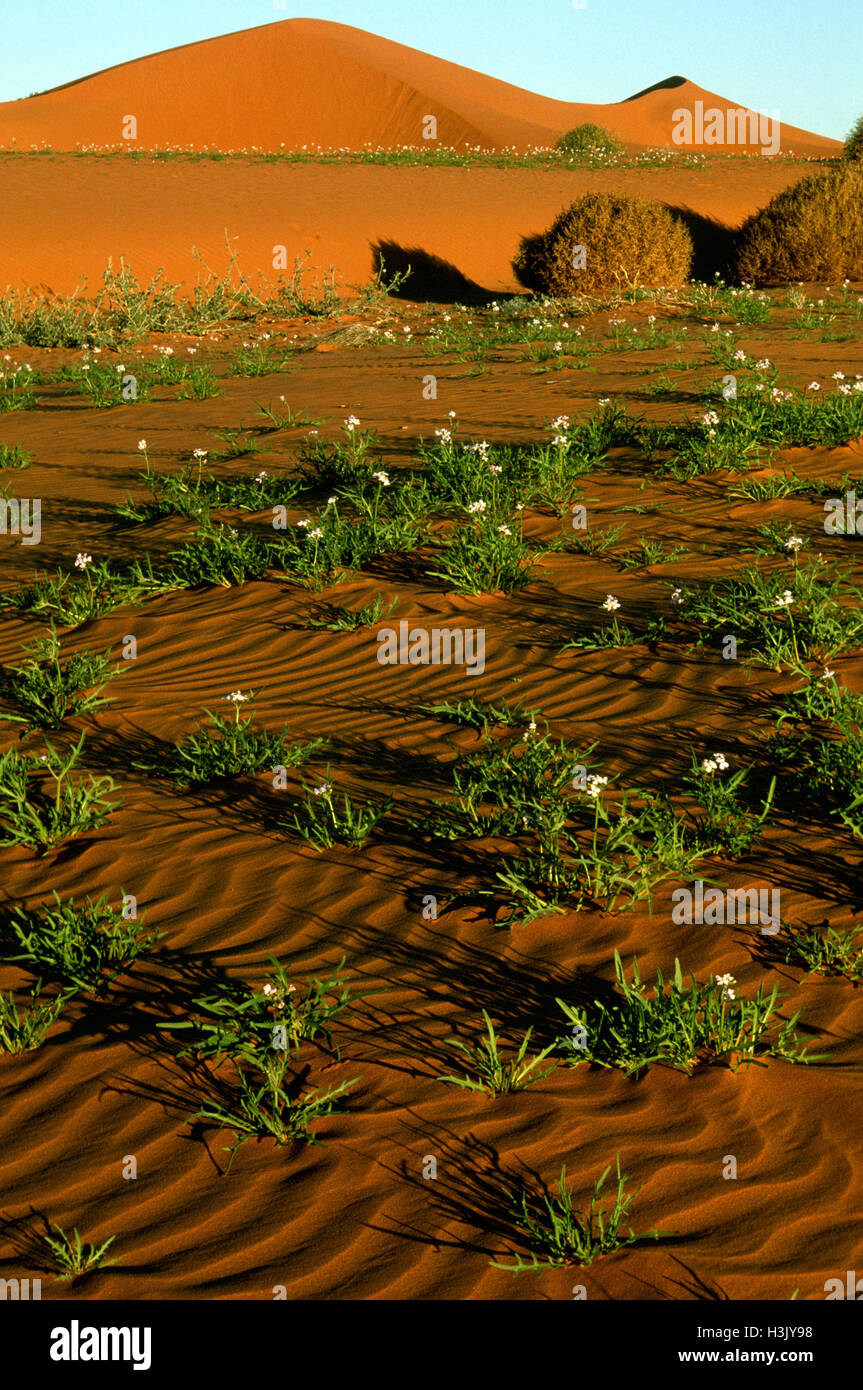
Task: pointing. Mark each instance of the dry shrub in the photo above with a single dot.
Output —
(589, 139)
(627, 241)
(810, 231)
(854, 142)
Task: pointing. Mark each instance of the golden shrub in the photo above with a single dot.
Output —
(810, 231)
(606, 241)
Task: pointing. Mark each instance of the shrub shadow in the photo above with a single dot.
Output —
(713, 243)
(431, 278)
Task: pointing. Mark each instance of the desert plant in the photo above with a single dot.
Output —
(486, 555)
(287, 418)
(809, 611)
(35, 813)
(509, 786)
(854, 141)
(23, 1032)
(766, 489)
(598, 542)
(352, 619)
(682, 1026)
(320, 550)
(480, 714)
(221, 555)
(73, 599)
(48, 690)
(812, 231)
(589, 139)
(460, 475)
(606, 241)
(817, 742)
(257, 1103)
(70, 1254)
(561, 1235)
(599, 638)
(826, 953)
(340, 463)
(14, 456)
(256, 493)
(105, 385)
(620, 857)
(648, 552)
(243, 1021)
(727, 822)
(198, 384)
(322, 823)
(819, 697)
(16, 388)
(127, 310)
(86, 945)
(173, 494)
(255, 359)
(230, 747)
(238, 444)
(491, 1072)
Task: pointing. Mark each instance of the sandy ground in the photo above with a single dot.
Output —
(155, 215)
(356, 1219)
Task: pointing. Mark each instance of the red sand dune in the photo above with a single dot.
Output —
(310, 82)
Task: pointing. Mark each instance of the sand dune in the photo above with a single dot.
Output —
(310, 82)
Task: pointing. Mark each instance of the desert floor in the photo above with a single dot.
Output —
(354, 1218)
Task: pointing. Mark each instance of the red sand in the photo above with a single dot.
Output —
(355, 1219)
(155, 214)
(309, 82)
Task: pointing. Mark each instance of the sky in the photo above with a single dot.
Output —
(800, 59)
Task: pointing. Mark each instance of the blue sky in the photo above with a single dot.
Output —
(802, 58)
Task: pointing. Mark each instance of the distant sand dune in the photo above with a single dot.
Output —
(310, 82)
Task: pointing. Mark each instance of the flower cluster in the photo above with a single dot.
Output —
(718, 763)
